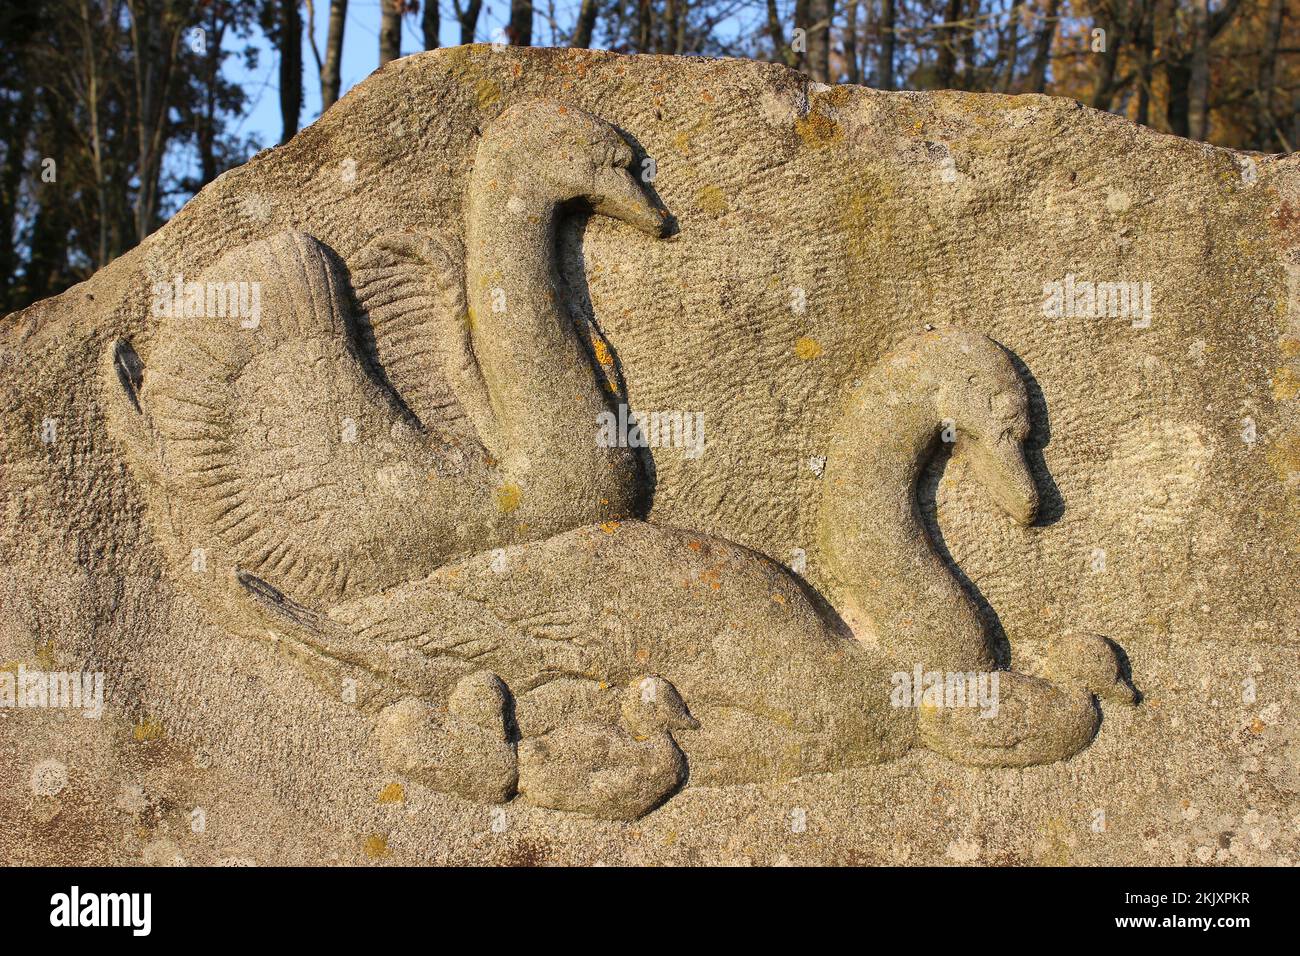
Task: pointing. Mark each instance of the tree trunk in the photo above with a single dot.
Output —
(885, 65)
(821, 12)
(1037, 81)
(586, 26)
(1009, 45)
(390, 30)
(1103, 93)
(468, 19)
(799, 43)
(780, 51)
(520, 29)
(851, 42)
(1198, 85)
(1267, 122)
(946, 68)
(969, 79)
(329, 74)
(290, 37)
(1146, 46)
(431, 23)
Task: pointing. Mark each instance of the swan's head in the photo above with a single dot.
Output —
(553, 154)
(978, 390)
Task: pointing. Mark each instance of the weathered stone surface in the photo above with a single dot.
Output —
(360, 571)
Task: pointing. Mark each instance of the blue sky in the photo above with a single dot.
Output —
(360, 57)
(361, 54)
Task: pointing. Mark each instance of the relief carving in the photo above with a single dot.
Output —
(396, 468)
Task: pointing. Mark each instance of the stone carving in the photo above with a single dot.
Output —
(535, 665)
(351, 486)
(538, 623)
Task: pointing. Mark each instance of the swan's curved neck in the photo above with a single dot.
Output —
(887, 576)
(544, 390)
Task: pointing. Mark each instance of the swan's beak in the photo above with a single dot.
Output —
(618, 195)
(1002, 469)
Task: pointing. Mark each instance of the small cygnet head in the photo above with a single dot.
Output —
(560, 154)
(1088, 661)
(977, 389)
(651, 705)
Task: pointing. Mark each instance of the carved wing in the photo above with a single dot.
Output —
(413, 327)
(254, 412)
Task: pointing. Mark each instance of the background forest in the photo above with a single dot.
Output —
(114, 112)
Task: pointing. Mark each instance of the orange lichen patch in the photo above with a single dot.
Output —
(602, 352)
(147, 729)
(816, 129)
(609, 527)
(695, 546)
(711, 200)
(779, 599)
(1257, 726)
(1286, 384)
(642, 655)
(393, 793)
(375, 847)
(508, 497)
(807, 348)
(712, 577)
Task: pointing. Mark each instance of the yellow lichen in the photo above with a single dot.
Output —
(509, 497)
(1286, 384)
(711, 200)
(807, 348)
(393, 793)
(816, 129)
(147, 728)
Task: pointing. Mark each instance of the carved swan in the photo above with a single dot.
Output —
(436, 540)
(280, 451)
(570, 626)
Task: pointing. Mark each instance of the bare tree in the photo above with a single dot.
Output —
(885, 64)
(1037, 80)
(586, 25)
(431, 24)
(467, 17)
(289, 45)
(520, 28)
(329, 75)
(390, 30)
